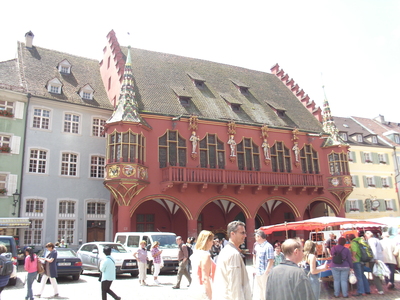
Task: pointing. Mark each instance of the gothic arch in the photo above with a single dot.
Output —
(227, 198)
(178, 202)
(282, 199)
(328, 201)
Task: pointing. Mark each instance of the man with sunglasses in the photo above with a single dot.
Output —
(231, 281)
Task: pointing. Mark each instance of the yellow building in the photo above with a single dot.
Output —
(372, 170)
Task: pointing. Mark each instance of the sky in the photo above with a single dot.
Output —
(348, 50)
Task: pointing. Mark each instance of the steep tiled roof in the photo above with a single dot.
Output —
(9, 75)
(157, 76)
(40, 66)
(380, 128)
(351, 127)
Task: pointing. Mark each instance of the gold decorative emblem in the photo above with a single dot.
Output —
(143, 173)
(129, 170)
(347, 180)
(335, 181)
(113, 171)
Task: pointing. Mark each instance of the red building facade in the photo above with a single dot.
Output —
(194, 145)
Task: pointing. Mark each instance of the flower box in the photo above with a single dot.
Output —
(5, 149)
(385, 185)
(368, 161)
(389, 208)
(3, 191)
(354, 209)
(383, 162)
(5, 113)
(371, 185)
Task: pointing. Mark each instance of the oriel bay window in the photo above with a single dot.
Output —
(280, 158)
(309, 160)
(126, 147)
(212, 153)
(248, 155)
(338, 164)
(172, 149)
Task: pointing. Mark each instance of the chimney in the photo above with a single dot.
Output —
(29, 39)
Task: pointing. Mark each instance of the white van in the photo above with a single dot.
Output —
(167, 242)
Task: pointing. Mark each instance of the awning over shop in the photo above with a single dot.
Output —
(14, 223)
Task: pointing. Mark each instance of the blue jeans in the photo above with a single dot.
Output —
(362, 282)
(29, 282)
(315, 285)
(340, 280)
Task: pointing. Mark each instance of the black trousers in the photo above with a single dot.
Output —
(105, 288)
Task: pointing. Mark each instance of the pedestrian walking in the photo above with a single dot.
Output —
(30, 265)
(50, 269)
(183, 257)
(108, 274)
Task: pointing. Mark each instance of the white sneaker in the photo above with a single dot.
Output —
(380, 292)
(157, 282)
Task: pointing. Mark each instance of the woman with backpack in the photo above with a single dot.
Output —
(311, 267)
(341, 264)
(3, 278)
(31, 261)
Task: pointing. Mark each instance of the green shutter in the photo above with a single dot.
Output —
(347, 206)
(378, 181)
(361, 205)
(375, 158)
(394, 205)
(390, 181)
(365, 181)
(367, 204)
(382, 205)
(362, 157)
(356, 181)
(387, 158)
(353, 156)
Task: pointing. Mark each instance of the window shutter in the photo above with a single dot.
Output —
(11, 184)
(394, 205)
(356, 181)
(365, 181)
(15, 144)
(19, 110)
(378, 181)
(361, 205)
(386, 158)
(367, 204)
(390, 181)
(362, 157)
(375, 158)
(353, 156)
(382, 205)
(347, 206)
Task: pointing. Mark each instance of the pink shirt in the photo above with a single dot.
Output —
(30, 266)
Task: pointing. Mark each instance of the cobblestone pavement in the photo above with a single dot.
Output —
(88, 287)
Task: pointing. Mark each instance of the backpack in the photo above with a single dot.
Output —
(6, 265)
(190, 251)
(365, 250)
(338, 259)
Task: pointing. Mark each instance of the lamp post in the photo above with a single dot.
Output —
(16, 196)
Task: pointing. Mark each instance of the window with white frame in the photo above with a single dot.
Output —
(66, 208)
(382, 158)
(37, 161)
(3, 184)
(374, 139)
(98, 127)
(367, 157)
(7, 106)
(370, 181)
(64, 67)
(69, 164)
(359, 138)
(385, 182)
(353, 205)
(34, 207)
(397, 139)
(54, 86)
(96, 208)
(71, 123)
(97, 166)
(41, 118)
(389, 204)
(343, 135)
(86, 92)
(33, 234)
(66, 231)
(5, 141)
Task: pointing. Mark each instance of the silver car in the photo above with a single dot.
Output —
(92, 254)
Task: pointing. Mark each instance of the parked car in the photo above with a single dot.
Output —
(68, 263)
(92, 254)
(11, 246)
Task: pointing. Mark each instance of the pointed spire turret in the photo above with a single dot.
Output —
(127, 107)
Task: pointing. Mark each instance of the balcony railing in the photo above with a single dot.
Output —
(235, 177)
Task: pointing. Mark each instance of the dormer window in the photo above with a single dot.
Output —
(183, 95)
(343, 135)
(54, 86)
(234, 103)
(396, 138)
(86, 92)
(198, 81)
(64, 67)
(359, 138)
(374, 139)
(235, 107)
(280, 112)
(243, 88)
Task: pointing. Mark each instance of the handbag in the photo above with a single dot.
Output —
(40, 268)
(352, 277)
